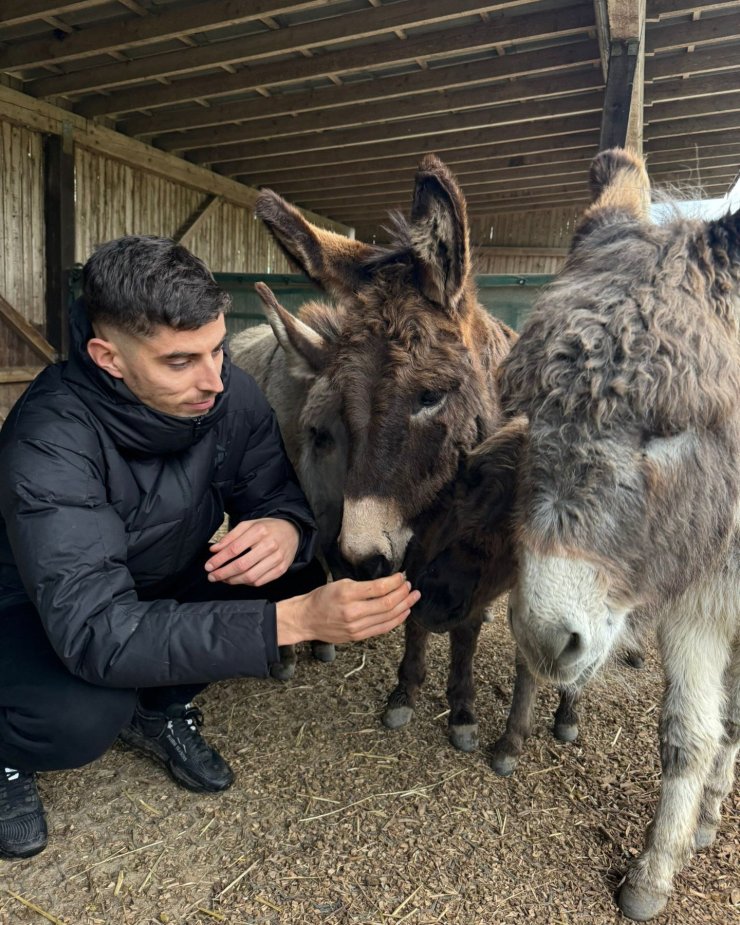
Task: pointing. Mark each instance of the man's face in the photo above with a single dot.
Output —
(177, 372)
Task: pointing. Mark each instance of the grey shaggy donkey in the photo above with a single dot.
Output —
(628, 491)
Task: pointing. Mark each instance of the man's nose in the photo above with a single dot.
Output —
(210, 378)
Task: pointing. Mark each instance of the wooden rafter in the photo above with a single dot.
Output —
(173, 22)
(492, 97)
(681, 64)
(530, 139)
(505, 120)
(382, 88)
(17, 12)
(333, 30)
(697, 32)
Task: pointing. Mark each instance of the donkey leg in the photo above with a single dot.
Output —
(566, 716)
(411, 674)
(508, 748)
(323, 651)
(285, 668)
(690, 733)
(463, 725)
(723, 771)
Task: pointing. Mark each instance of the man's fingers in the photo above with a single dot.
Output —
(245, 540)
(245, 563)
(257, 573)
(379, 606)
(377, 629)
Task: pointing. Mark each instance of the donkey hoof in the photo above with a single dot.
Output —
(640, 905)
(282, 671)
(503, 761)
(704, 836)
(634, 659)
(465, 737)
(323, 651)
(395, 717)
(565, 732)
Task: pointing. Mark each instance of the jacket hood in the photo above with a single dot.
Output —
(132, 425)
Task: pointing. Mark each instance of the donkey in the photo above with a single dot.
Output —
(404, 362)
(461, 558)
(628, 490)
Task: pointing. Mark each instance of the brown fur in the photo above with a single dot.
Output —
(406, 330)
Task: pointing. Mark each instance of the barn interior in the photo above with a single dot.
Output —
(166, 117)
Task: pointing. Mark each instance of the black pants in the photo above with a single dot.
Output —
(50, 719)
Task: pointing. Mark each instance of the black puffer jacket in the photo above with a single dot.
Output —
(103, 499)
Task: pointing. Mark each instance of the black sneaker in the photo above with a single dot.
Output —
(172, 737)
(22, 823)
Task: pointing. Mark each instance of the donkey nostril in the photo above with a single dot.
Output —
(573, 645)
(374, 567)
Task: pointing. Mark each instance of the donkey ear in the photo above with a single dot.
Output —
(439, 233)
(306, 349)
(332, 261)
(489, 474)
(619, 183)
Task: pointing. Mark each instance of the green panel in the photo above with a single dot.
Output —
(508, 297)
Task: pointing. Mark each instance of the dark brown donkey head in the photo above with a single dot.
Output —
(462, 556)
(406, 352)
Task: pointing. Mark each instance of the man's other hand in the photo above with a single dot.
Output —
(254, 553)
(346, 610)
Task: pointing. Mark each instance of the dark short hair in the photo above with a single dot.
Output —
(139, 282)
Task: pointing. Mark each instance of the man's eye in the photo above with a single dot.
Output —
(179, 365)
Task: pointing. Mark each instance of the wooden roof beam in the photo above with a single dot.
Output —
(501, 119)
(549, 164)
(566, 199)
(622, 118)
(449, 77)
(18, 12)
(537, 150)
(706, 31)
(564, 132)
(317, 33)
(682, 64)
(665, 9)
(695, 125)
(173, 22)
(492, 97)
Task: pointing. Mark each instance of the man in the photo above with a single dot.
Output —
(116, 468)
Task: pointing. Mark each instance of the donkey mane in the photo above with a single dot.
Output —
(641, 312)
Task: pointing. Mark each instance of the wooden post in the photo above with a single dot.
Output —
(59, 217)
(621, 34)
(618, 96)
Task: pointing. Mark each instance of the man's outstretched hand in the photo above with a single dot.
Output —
(254, 553)
(346, 610)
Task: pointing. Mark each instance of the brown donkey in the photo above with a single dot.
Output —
(388, 387)
(628, 491)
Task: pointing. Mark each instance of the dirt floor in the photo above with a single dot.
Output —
(335, 820)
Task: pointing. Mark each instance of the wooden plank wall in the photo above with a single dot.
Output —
(518, 242)
(22, 265)
(21, 234)
(114, 199)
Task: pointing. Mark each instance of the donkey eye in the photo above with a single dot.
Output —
(429, 398)
(322, 438)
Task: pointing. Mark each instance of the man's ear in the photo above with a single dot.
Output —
(105, 355)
